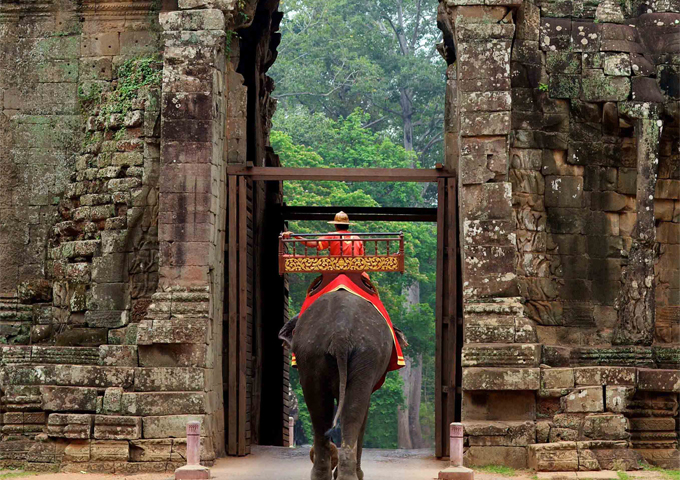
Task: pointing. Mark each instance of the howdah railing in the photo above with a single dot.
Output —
(382, 252)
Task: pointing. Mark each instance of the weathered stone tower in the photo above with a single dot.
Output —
(118, 122)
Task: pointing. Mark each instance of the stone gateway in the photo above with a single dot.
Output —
(133, 266)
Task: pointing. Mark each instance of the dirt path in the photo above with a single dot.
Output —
(274, 463)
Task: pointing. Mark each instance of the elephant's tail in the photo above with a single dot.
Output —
(342, 360)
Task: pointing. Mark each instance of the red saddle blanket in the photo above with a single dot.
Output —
(343, 282)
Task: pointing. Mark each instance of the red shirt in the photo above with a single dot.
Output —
(349, 248)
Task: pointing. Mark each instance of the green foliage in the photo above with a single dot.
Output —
(498, 470)
(381, 430)
(17, 474)
(380, 56)
(134, 77)
(623, 476)
(543, 87)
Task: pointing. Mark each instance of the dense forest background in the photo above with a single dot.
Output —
(360, 84)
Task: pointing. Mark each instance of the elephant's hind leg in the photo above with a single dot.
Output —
(353, 421)
(320, 403)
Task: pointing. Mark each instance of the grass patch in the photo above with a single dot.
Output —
(623, 476)
(669, 474)
(498, 470)
(17, 474)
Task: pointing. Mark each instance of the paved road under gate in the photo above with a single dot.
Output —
(269, 463)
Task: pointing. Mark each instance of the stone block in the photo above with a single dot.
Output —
(489, 329)
(526, 355)
(553, 457)
(151, 450)
(652, 424)
(77, 452)
(104, 44)
(617, 64)
(106, 318)
(557, 378)
(166, 403)
(111, 402)
(585, 36)
(527, 181)
(583, 400)
(606, 427)
(555, 34)
(169, 379)
(501, 379)
(172, 426)
(619, 398)
(508, 434)
(117, 427)
(605, 376)
(212, 19)
(564, 191)
(657, 380)
(74, 426)
(69, 399)
(513, 457)
(489, 201)
(109, 451)
(118, 355)
(565, 220)
(478, 124)
(173, 355)
(600, 88)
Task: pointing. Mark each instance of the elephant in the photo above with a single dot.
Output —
(343, 347)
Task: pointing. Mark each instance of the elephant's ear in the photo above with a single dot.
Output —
(401, 338)
(286, 332)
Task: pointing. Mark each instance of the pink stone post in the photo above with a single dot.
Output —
(193, 470)
(456, 439)
(456, 470)
(291, 432)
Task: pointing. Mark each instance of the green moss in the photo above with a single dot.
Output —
(17, 474)
(135, 76)
(623, 476)
(498, 470)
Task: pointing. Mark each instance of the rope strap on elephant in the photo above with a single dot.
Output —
(343, 282)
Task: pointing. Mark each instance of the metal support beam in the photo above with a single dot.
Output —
(361, 214)
(420, 175)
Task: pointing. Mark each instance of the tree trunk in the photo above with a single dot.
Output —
(409, 431)
(404, 430)
(407, 116)
(416, 379)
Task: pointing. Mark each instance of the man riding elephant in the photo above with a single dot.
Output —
(344, 344)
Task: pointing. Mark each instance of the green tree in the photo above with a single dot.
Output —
(337, 55)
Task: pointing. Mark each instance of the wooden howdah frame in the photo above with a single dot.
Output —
(380, 254)
(247, 268)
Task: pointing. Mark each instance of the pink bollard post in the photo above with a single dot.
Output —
(456, 444)
(456, 470)
(194, 443)
(193, 470)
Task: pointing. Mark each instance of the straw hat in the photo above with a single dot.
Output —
(341, 218)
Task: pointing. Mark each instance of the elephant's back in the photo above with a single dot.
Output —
(339, 318)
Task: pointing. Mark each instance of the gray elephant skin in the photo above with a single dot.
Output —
(343, 347)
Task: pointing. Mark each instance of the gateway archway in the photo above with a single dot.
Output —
(256, 364)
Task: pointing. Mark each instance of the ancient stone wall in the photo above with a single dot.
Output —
(562, 119)
(118, 121)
